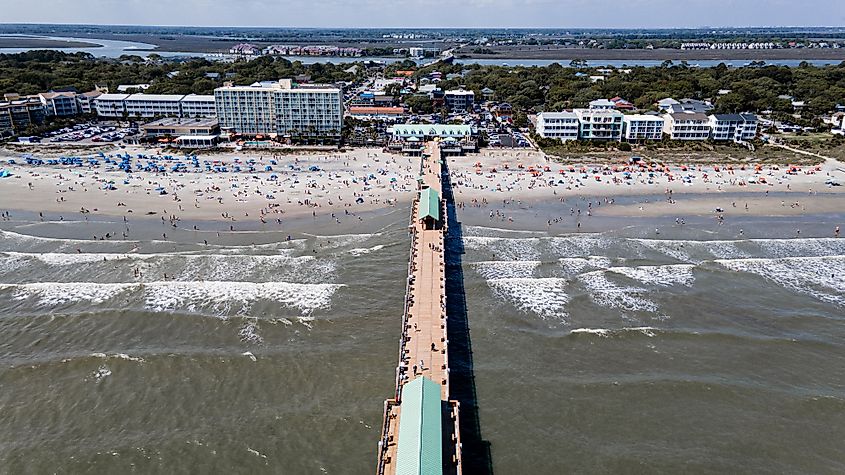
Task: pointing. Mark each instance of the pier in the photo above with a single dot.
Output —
(420, 431)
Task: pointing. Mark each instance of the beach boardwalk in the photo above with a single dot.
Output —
(420, 432)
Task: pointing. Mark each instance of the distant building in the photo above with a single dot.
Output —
(602, 104)
(17, 114)
(622, 104)
(132, 87)
(197, 105)
(563, 126)
(154, 105)
(599, 124)
(459, 100)
(376, 113)
(59, 104)
(642, 127)
(733, 127)
(85, 101)
(111, 105)
(281, 108)
(193, 133)
(245, 49)
(686, 126)
(488, 94)
(691, 105)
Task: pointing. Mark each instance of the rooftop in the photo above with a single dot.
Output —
(177, 122)
(155, 97)
(420, 444)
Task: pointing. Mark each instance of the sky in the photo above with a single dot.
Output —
(431, 13)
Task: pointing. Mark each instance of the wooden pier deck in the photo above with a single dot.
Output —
(423, 345)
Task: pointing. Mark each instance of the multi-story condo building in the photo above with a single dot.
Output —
(153, 105)
(735, 127)
(19, 113)
(459, 100)
(196, 105)
(85, 101)
(281, 108)
(642, 127)
(686, 126)
(111, 105)
(599, 124)
(59, 104)
(602, 104)
(558, 125)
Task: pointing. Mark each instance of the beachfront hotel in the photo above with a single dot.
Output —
(563, 126)
(642, 127)
(735, 127)
(18, 113)
(599, 124)
(687, 126)
(280, 108)
(154, 105)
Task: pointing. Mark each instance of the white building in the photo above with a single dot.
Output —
(132, 87)
(459, 100)
(642, 127)
(153, 105)
(85, 101)
(111, 105)
(599, 124)
(280, 108)
(602, 104)
(735, 127)
(196, 105)
(558, 125)
(687, 126)
(59, 104)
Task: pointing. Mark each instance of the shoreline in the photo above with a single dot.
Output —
(345, 190)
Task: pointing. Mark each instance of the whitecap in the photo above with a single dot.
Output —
(545, 297)
(821, 277)
(606, 293)
(668, 275)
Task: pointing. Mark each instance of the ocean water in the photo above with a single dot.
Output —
(614, 351)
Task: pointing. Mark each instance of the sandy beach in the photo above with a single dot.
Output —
(343, 185)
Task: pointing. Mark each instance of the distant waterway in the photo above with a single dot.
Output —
(115, 48)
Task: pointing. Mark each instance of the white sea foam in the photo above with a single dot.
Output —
(341, 240)
(102, 372)
(221, 296)
(545, 297)
(608, 294)
(505, 248)
(361, 251)
(578, 245)
(506, 269)
(66, 259)
(486, 231)
(607, 333)
(249, 332)
(122, 356)
(821, 277)
(677, 274)
(803, 247)
(576, 265)
(58, 293)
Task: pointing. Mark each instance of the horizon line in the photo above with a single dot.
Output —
(702, 27)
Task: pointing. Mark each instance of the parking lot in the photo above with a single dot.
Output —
(85, 133)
